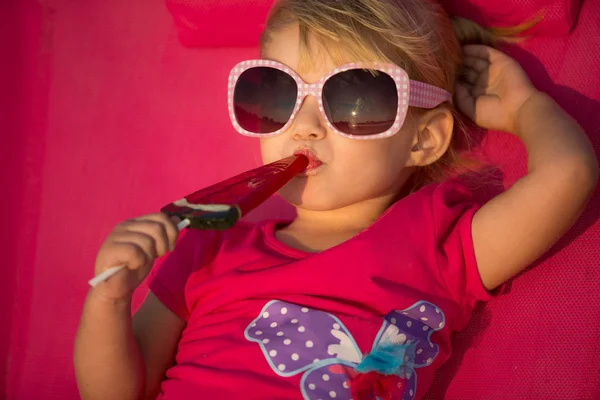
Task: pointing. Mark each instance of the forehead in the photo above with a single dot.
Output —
(311, 60)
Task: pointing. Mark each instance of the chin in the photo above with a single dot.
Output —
(299, 197)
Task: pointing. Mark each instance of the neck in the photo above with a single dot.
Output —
(352, 218)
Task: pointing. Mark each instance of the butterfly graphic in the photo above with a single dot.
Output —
(296, 339)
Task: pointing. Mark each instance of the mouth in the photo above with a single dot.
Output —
(313, 161)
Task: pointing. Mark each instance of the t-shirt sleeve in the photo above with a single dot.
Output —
(194, 250)
(453, 209)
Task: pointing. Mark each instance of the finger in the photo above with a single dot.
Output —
(482, 52)
(130, 254)
(464, 100)
(470, 76)
(141, 240)
(476, 64)
(168, 224)
(154, 229)
(479, 91)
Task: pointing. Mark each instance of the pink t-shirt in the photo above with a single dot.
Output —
(266, 321)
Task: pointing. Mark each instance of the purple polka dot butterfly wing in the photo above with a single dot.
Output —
(294, 338)
(413, 327)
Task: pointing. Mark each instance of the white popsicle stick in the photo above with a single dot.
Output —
(114, 270)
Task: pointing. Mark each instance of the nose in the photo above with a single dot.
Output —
(309, 123)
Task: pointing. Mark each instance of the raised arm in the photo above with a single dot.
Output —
(515, 228)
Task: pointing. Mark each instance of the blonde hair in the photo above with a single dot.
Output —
(416, 35)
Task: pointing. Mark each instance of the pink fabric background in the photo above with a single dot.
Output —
(106, 116)
(239, 22)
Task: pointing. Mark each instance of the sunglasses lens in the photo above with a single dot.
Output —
(361, 102)
(264, 99)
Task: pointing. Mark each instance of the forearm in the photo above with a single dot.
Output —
(552, 137)
(108, 363)
(562, 167)
(561, 159)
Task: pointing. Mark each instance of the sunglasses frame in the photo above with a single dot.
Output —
(410, 93)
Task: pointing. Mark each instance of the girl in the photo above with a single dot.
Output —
(358, 295)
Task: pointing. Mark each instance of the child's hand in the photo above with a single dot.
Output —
(493, 89)
(135, 243)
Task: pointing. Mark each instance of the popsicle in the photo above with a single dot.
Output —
(221, 205)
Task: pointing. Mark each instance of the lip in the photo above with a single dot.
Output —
(313, 161)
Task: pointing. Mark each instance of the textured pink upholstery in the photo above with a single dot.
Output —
(107, 116)
(238, 23)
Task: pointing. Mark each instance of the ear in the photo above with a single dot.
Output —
(433, 137)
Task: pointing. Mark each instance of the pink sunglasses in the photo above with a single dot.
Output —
(265, 96)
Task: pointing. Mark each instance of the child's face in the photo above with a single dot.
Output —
(353, 171)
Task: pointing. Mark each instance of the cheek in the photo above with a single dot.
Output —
(375, 158)
(270, 149)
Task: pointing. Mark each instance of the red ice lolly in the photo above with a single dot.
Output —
(221, 205)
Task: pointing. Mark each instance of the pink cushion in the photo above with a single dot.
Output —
(108, 117)
(229, 23)
(238, 23)
(559, 16)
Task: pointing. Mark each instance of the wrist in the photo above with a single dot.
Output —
(96, 296)
(533, 108)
